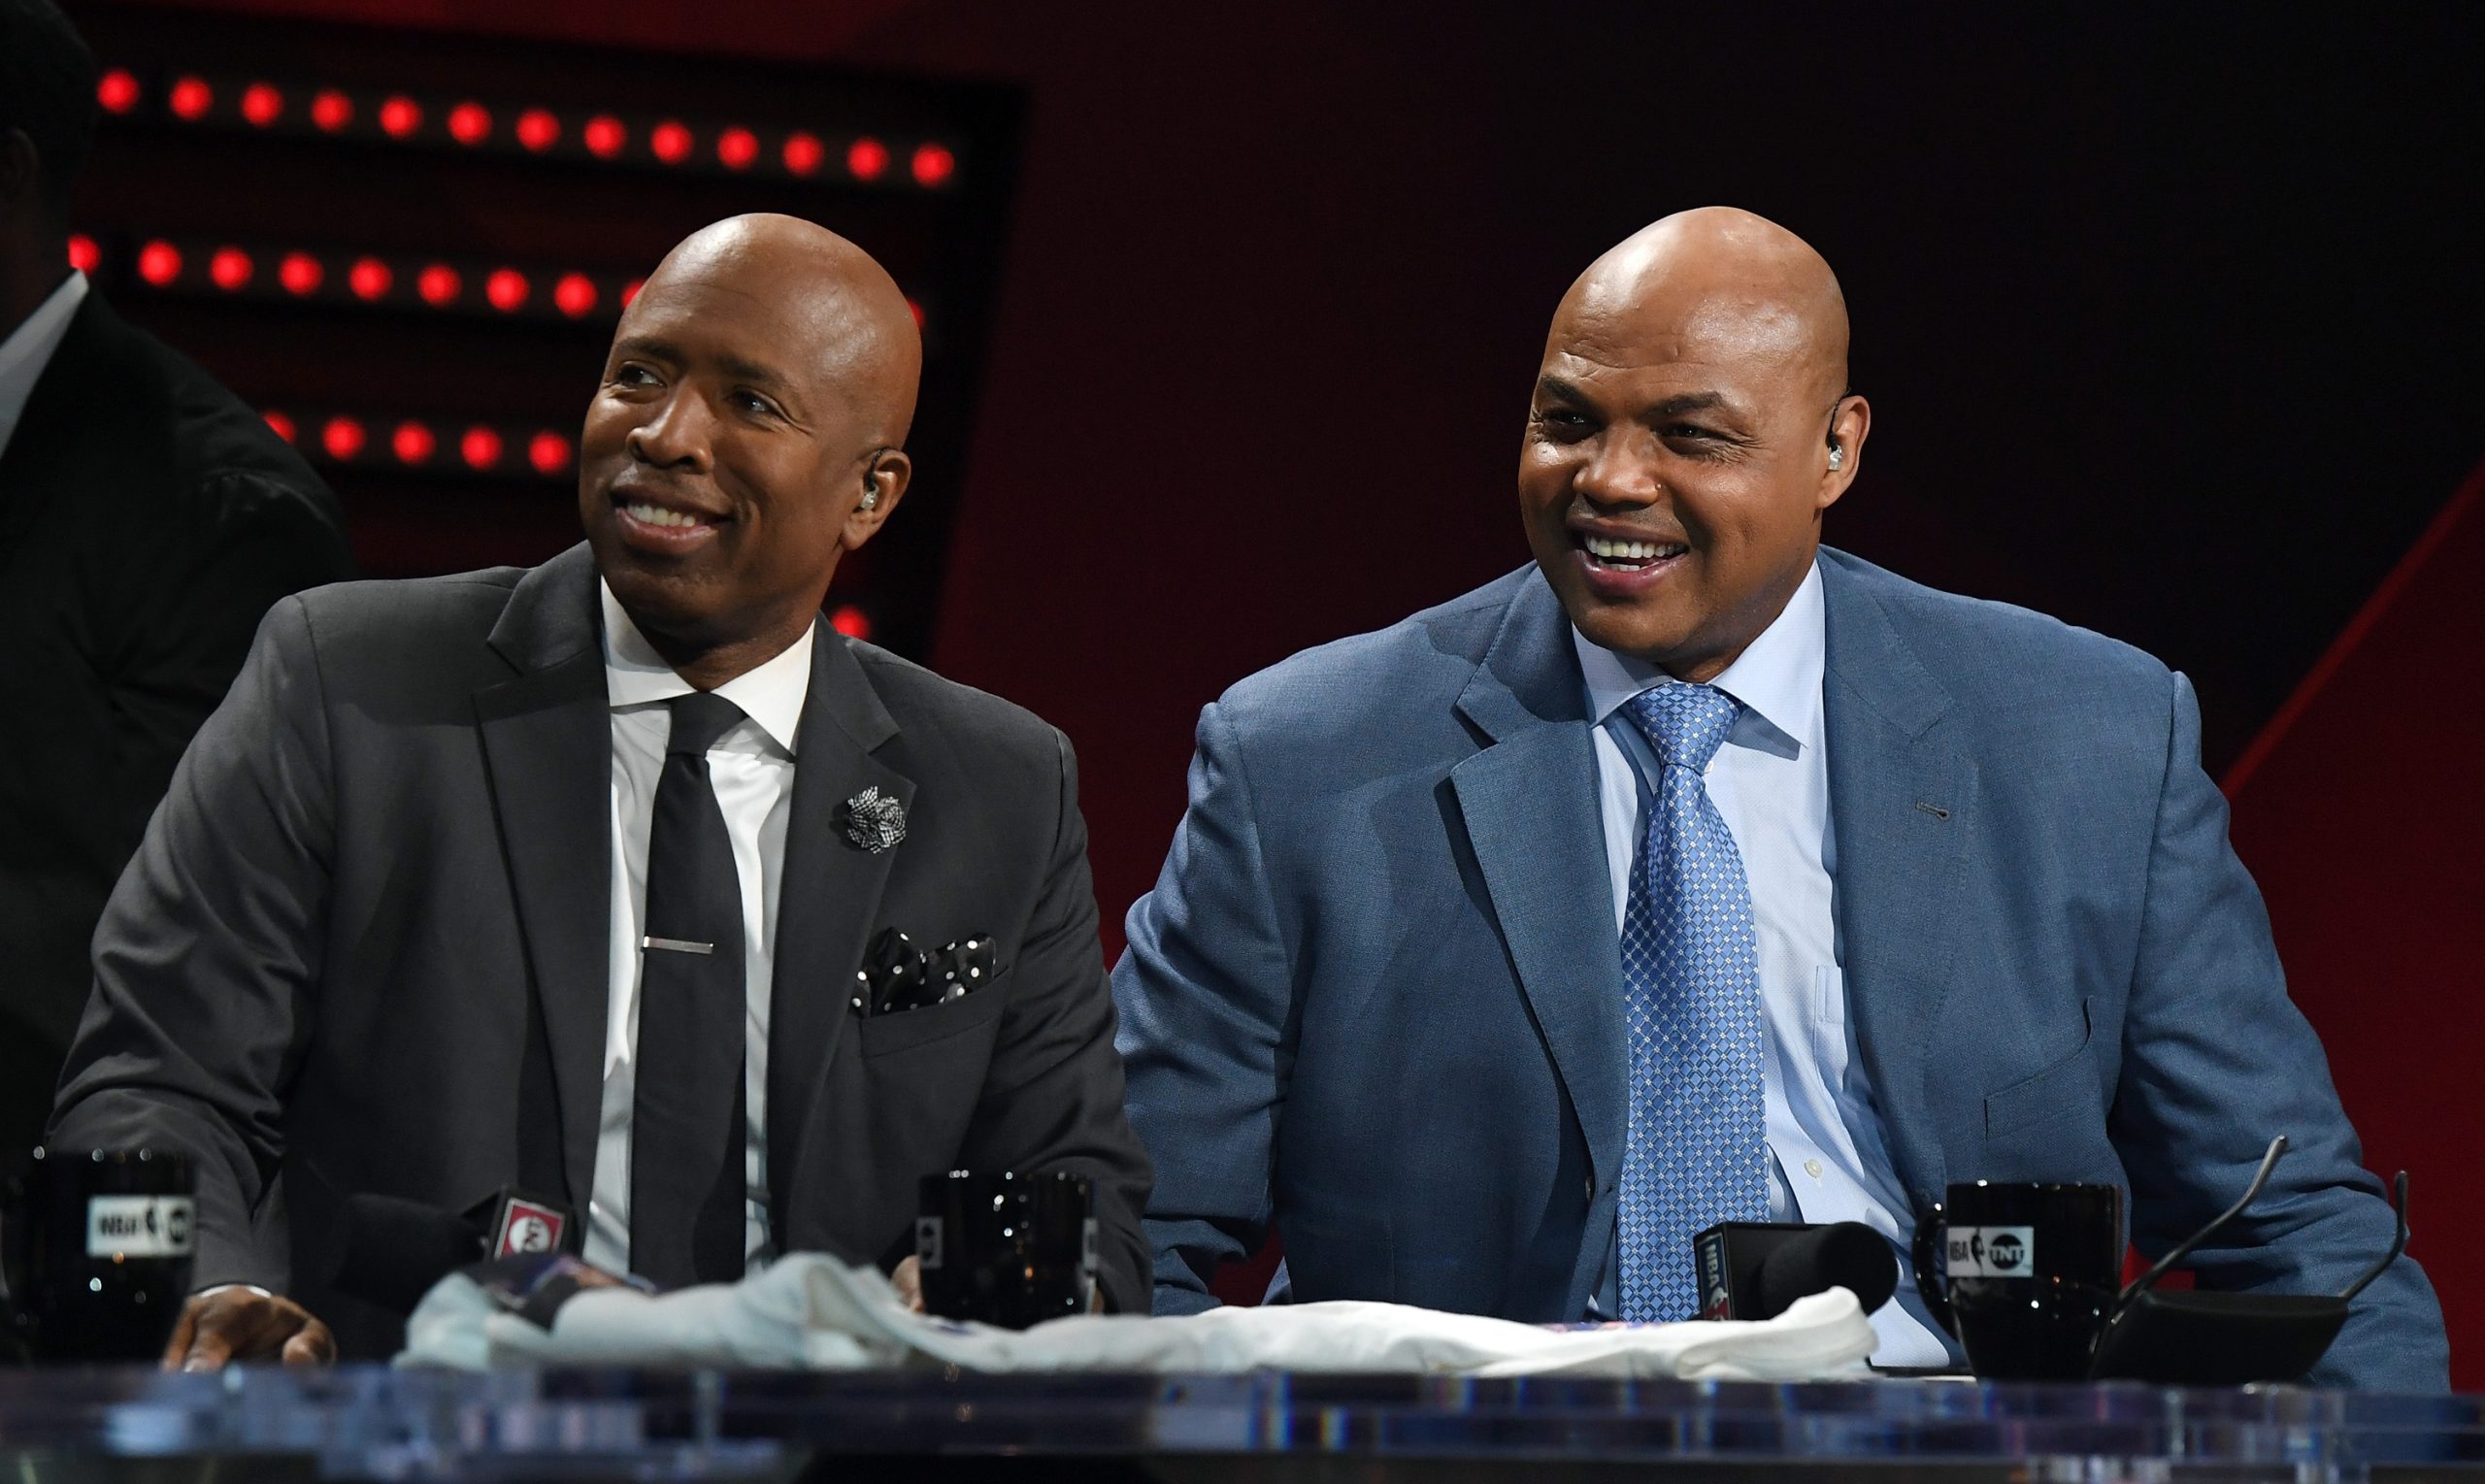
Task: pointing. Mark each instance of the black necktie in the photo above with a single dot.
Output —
(686, 1178)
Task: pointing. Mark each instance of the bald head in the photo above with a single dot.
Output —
(1690, 426)
(845, 316)
(748, 432)
(1731, 282)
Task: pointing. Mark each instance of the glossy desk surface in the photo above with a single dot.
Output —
(369, 1422)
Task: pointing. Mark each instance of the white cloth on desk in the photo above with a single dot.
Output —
(809, 1311)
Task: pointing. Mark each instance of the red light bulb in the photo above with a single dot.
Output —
(867, 158)
(604, 135)
(803, 153)
(575, 296)
(230, 268)
(279, 424)
(301, 274)
(507, 289)
(439, 284)
(470, 124)
(116, 92)
(630, 291)
(737, 148)
(191, 98)
(400, 115)
(83, 253)
(537, 130)
(343, 437)
(368, 279)
(480, 447)
(549, 451)
(934, 165)
(671, 141)
(159, 263)
(262, 104)
(413, 443)
(916, 310)
(331, 110)
(850, 621)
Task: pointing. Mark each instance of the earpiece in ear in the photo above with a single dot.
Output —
(871, 495)
(1837, 455)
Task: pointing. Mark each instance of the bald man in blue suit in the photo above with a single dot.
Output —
(1700, 872)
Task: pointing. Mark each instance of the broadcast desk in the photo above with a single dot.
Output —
(367, 1422)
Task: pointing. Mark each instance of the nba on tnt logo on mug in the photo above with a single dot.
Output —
(1991, 1252)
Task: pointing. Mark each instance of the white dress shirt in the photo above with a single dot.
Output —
(1829, 1159)
(29, 349)
(752, 768)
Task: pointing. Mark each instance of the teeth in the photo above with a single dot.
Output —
(659, 515)
(1632, 550)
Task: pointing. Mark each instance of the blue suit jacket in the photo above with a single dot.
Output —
(1377, 996)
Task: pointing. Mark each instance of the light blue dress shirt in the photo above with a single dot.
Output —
(1830, 1160)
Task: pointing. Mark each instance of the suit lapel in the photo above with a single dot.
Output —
(548, 742)
(827, 901)
(1529, 802)
(1903, 798)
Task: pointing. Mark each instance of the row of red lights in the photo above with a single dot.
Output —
(480, 447)
(371, 277)
(729, 148)
(375, 279)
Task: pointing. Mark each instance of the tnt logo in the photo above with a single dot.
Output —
(1991, 1252)
(122, 1226)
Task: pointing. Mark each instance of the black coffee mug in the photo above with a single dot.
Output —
(1012, 1251)
(98, 1247)
(2025, 1276)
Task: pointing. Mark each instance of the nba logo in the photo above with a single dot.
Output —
(528, 1227)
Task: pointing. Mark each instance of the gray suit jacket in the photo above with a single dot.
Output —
(1375, 999)
(363, 947)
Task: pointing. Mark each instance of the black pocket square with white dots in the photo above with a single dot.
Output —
(897, 976)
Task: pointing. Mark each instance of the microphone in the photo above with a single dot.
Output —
(395, 1249)
(1756, 1269)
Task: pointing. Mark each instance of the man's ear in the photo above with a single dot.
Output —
(884, 482)
(1850, 422)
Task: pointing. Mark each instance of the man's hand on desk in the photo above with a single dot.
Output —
(241, 1323)
(908, 1280)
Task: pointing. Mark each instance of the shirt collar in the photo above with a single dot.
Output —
(771, 694)
(1778, 678)
(28, 349)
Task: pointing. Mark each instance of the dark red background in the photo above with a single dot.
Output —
(2172, 325)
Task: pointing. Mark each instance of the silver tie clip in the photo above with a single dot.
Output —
(677, 945)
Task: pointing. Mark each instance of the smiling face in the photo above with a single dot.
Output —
(1677, 460)
(755, 391)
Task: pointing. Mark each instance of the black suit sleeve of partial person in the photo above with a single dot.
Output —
(1053, 1098)
(251, 540)
(208, 954)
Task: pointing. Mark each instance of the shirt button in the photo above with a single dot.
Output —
(1587, 1188)
(1813, 1168)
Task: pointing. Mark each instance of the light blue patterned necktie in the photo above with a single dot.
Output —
(1698, 1151)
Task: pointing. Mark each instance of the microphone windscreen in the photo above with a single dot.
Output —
(396, 1249)
(1846, 1254)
